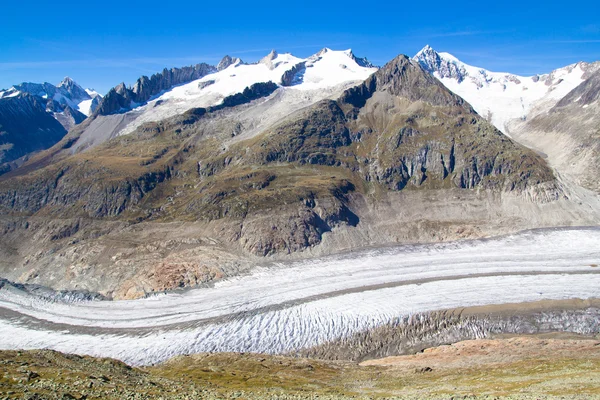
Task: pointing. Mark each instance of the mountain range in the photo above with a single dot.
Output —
(195, 173)
(554, 114)
(35, 116)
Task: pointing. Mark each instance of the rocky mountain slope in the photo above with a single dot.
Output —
(502, 97)
(25, 127)
(555, 114)
(274, 170)
(569, 133)
(34, 117)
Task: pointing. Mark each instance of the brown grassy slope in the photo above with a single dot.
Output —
(524, 367)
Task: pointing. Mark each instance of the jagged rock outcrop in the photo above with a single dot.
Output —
(227, 61)
(362, 61)
(253, 92)
(289, 76)
(120, 98)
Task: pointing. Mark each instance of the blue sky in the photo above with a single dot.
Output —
(100, 44)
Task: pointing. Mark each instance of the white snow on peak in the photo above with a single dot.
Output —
(498, 96)
(330, 68)
(88, 106)
(85, 107)
(324, 70)
(12, 92)
(450, 57)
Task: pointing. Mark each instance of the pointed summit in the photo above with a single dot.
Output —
(66, 82)
(268, 59)
(71, 90)
(402, 77)
(425, 50)
(442, 65)
(227, 61)
(427, 57)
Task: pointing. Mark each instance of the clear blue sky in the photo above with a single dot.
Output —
(101, 43)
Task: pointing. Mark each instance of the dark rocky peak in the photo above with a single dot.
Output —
(403, 77)
(120, 88)
(431, 61)
(227, 61)
(116, 100)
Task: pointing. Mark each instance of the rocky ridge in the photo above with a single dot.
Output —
(121, 98)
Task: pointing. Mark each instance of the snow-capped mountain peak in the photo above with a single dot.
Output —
(68, 102)
(498, 96)
(268, 59)
(66, 82)
(312, 79)
(227, 61)
(442, 65)
(72, 92)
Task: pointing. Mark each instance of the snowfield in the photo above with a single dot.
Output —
(319, 73)
(502, 97)
(282, 307)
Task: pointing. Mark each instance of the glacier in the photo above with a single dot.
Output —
(282, 307)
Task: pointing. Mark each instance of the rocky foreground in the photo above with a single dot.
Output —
(533, 367)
